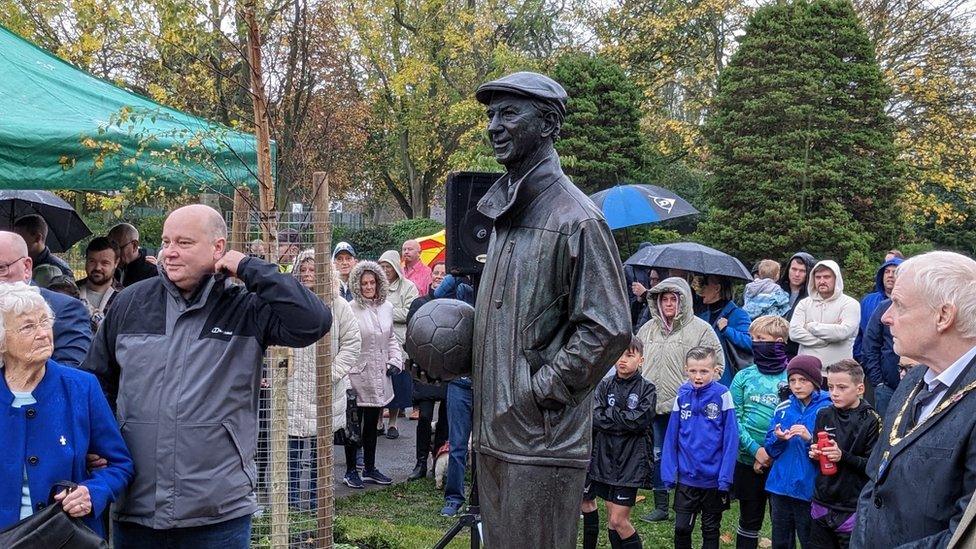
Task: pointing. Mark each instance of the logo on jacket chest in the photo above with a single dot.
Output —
(632, 401)
(712, 411)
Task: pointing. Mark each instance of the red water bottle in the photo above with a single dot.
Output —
(827, 467)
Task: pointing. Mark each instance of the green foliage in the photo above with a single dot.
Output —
(600, 137)
(371, 242)
(803, 152)
(630, 239)
(413, 228)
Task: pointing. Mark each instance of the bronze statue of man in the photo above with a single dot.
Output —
(551, 318)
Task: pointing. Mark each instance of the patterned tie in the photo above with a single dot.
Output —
(924, 397)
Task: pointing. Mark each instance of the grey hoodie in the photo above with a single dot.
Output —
(665, 346)
(826, 327)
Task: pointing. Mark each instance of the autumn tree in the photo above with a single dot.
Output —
(417, 65)
(675, 50)
(927, 51)
(803, 151)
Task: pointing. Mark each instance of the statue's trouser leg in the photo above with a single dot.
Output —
(526, 506)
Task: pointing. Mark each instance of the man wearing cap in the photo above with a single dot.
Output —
(551, 315)
(344, 259)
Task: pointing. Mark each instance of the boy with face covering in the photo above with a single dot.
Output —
(756, 391)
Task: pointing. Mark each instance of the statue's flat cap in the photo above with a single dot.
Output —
(528, 84)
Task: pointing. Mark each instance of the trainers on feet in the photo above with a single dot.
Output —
(376, 477)
(392, 433)
(451, 509)
(353, 480)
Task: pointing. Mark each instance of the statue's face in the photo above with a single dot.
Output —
(515, 128)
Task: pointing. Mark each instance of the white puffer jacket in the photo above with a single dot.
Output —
(346, 344)
(380, 346)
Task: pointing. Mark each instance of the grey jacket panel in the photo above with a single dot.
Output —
(187, 375)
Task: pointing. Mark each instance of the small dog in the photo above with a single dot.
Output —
(441, 461)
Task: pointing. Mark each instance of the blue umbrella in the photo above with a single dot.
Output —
(629, 205)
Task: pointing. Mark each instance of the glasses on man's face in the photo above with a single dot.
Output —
(30, 329)
(4, 269)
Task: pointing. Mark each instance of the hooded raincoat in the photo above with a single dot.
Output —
(402, 293)
(826, 327)
(345, 354)
(666, 344)
(380, 347)
(871, 301)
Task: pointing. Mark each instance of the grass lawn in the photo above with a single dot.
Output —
(406, 516)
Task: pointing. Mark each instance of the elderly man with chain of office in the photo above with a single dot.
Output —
(922, 472)
(551, 317)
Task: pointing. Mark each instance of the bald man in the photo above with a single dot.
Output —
(133, 266)
(179, 356)
(414, 269)
(72, 326)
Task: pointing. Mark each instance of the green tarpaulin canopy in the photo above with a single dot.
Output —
(62, 128)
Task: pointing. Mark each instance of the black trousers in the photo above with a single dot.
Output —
(424, 429)
(750, 490)
(370, 417)
(688, 502)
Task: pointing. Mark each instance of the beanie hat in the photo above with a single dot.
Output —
(807, 366)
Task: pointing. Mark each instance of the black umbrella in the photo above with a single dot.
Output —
(690, 257)
(65, 226)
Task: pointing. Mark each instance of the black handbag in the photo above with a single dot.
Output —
(51, 528)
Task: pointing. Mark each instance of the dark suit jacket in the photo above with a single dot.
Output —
(72, 328)
(917, 500)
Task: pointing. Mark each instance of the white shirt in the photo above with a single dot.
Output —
(946, 378)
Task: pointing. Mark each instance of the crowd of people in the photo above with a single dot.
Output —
(797, 396)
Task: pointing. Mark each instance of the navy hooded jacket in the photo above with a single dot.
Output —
(871, 301)
(878, 352)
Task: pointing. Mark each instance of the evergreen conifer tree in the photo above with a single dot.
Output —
(600, 138)
(802, 150)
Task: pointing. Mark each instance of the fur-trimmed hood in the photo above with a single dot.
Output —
(382, 286)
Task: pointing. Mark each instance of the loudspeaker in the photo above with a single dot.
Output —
(468, 231)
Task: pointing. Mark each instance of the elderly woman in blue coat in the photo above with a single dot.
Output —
(51, 416)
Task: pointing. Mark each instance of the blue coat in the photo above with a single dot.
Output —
(878, 351)
(702, 441)
(793, 472)
(871, 301)
(72, 328)
(735, 333)
(51, 438)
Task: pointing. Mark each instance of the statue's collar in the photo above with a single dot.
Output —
(498, 200)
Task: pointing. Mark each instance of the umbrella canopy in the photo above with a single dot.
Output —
(690, 256)
(628, 205)
(65, 226)
(433, 248)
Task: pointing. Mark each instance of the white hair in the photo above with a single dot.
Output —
(17, 298)
(946, 278)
